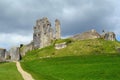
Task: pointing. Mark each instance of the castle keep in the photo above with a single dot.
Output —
(44, 34)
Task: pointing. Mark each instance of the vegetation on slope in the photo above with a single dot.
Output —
(8, 71)
(82, 47)
(96, 59)
(90, 67)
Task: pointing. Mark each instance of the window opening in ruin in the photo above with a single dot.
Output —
(35, 35)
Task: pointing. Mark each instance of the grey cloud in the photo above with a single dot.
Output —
(76, 16)
(93, 14)
(17, 17)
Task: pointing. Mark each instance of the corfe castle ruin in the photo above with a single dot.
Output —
(43, 35)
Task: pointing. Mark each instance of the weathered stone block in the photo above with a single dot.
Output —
(60, 45)
(109, 36)
(2, 54)
(92, 34)
(44, 34)
(26, 48)
(14, 53)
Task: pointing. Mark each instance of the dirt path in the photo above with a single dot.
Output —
(25, 75)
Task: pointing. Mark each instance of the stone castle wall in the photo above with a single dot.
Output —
(109, 36)
(14, 54)
(57, 28)
(92, 34)
(44, 33)
(2, 54)
(26, 48)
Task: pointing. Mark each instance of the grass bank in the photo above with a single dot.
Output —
(90, 67)
(8, 71)
(76, 48)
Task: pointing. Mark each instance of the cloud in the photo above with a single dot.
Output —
(11, 40)
(18, 17)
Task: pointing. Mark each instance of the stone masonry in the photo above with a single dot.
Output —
(109, 36)
(44, 34)
(92, 34)
(15, 53)
(2, 54)
(57, 28)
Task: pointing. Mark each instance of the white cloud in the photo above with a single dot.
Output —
(69, 13)
(10, 40)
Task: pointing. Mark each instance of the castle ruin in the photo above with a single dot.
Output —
(57, 28)
(109, 36)
(43, 36)
(44, 33)
(93, 34)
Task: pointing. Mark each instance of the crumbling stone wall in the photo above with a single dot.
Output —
(60, 45)
(92, 34)
(14, 54)
(26, 48)
(44, 34)
(109, 36)
(2, 54)
(57, 28)
(7, 56)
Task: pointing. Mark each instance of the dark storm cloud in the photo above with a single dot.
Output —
(88, 15)
(17, 16)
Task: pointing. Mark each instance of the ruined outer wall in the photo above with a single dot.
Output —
(14, 53)
(109, 36)
(26, 48)
(43, 33)
(2, 54)
(57, 29)
(92, 34)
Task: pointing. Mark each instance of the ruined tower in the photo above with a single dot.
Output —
(57, 29)
(43, 33)
(109, 36)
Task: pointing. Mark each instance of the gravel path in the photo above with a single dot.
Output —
(25, 75)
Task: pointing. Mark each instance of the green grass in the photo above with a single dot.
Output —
(8, 71)
(95, 59)
(63, 40)
(76, 48)
(89, 67)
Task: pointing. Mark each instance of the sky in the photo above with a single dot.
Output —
(17, 18)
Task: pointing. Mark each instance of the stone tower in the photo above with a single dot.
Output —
(43, 33)
(57, 29)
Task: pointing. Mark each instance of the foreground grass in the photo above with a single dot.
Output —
(8, 71)
(91, 67)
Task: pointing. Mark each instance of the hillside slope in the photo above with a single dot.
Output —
(80, 60)
(75, 48)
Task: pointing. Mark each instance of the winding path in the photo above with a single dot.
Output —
(25, 75)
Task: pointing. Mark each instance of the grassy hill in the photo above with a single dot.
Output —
(75, 68)
(8, 71)
(81, 60)
(75, 48)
